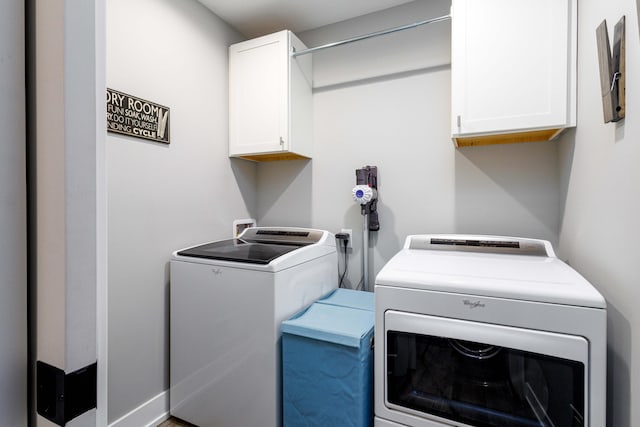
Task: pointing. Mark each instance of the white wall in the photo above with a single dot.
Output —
(386, 102)
(601, 177)
(164, 197)
(13, 217)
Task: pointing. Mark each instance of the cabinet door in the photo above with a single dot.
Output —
(511, 65)
(258, 95)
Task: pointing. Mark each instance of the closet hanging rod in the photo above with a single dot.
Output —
(370, 35)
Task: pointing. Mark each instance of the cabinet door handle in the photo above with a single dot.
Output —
(281, 141)
(458, 120)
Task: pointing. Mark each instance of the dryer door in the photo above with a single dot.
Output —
(483, 375)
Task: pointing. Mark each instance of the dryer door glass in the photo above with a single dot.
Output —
(483, 383)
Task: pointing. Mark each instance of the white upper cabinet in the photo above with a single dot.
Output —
(513, 70)
(270, 99)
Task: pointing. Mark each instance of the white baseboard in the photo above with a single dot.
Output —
(149, 414)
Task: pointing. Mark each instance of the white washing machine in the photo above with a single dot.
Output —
(228, 299)
(487, 331)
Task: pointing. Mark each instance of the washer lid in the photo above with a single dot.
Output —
(265, 247)
(240, 251)
(539, 278)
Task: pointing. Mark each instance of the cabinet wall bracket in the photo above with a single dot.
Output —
(612, 70)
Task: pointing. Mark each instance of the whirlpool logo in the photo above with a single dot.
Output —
(473, 304)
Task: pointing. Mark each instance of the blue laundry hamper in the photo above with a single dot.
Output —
(350, 298)
(327, 363)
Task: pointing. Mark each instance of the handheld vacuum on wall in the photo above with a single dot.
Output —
(365, 193)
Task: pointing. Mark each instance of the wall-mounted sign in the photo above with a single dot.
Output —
(137, 117)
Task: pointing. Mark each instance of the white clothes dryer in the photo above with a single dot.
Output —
(486, 331)
(228, 299)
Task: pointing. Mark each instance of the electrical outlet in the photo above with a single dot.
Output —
(350, 233)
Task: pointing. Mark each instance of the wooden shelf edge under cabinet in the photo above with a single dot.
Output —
(272, 157)
(507, 138)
